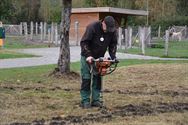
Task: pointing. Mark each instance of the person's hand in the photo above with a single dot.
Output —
(116, 60)
(89, 59)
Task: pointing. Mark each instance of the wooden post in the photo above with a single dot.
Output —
(186, 31)
(49, 39)
(25, 30)
(36, 28)
(21, 28)
(126, 40)
(166, 42)
(41, 31)
(142, 37)
(139, 36)
(56, 34)
(76, 32)
(44, 36)
(120, 37)
(159, 32)
(52, 32)
(31, 30)
(149, 35)
(146, 30)
(130, 32)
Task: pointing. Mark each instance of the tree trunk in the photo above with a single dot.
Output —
(64, 55)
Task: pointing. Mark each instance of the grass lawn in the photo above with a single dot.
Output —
(176, 50)
(139, 92)
(12, 43)
(20, 43)
(32, 73)
(6, 54)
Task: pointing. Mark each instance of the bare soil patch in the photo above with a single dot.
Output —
(135, 94)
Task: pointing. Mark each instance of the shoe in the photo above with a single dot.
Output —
(85, 105)
(97, 104)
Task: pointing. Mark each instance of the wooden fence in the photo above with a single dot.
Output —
(41, 32)
(50, 33)
(126, 39)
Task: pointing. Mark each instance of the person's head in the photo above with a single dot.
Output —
(108, 24)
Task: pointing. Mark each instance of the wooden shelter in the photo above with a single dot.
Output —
(81, 17)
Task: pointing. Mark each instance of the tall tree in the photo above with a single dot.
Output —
(182, 7)
(27, 10)
(6, 11)
(45, 10)
(100, 3)
(78, 3)
(158, 9)
(34, 6)
(64, 55)
(50, 10)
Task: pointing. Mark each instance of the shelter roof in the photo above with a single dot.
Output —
(110, 10)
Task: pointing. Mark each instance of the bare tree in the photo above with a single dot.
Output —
(64, 55)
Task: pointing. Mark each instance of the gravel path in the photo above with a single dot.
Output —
(50, 56)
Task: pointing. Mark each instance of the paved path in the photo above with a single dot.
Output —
(50, 56)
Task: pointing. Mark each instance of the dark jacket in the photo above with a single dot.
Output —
(95, 41)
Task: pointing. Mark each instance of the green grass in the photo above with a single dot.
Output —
(12, 43)
(176, 50)
(6, 54)
(34, 74)
(129, 62)
(40, 73)
(20, 43)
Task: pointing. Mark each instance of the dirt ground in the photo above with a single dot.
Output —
(154, 94)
